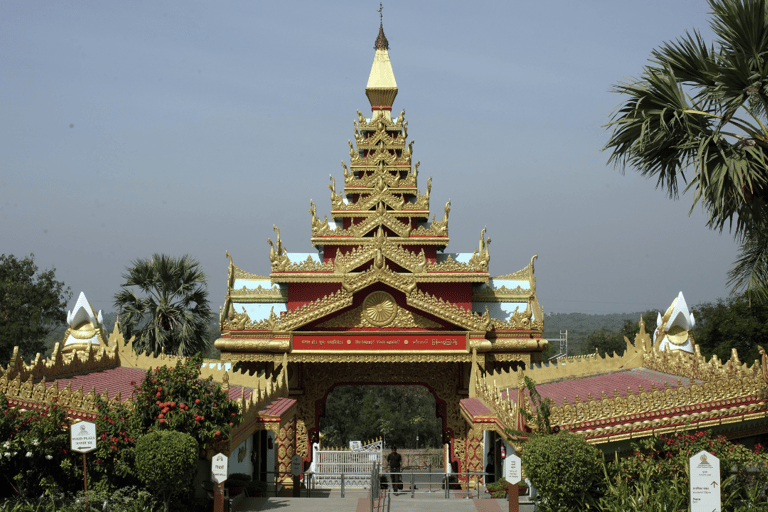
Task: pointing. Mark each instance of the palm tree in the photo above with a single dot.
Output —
(171, 314)
(701, 110)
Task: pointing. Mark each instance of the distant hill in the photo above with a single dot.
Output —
(579, 325)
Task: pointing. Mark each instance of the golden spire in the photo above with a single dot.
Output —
(381, 41)
(382, 88)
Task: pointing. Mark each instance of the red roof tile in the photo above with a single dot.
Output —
(475, 407)
(608, 382)
(114, 380)
(235, 392)
(119, 380)
(278, 407)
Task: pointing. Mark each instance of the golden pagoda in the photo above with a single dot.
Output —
(380, 301)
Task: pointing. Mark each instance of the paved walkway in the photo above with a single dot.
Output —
(355, 503)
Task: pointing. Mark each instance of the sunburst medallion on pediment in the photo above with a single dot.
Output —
(379, 309)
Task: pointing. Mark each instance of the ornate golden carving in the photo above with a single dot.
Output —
(481, 257)
(278, 255)
(260, 294)
(355, 318)
(520, 275)
(355, 282)
(309, 265)
(448, 311)
(501, 294)
(379, 309)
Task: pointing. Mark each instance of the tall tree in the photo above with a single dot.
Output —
(170, 313)
(31, 304)
(701, 109)
(732, 323)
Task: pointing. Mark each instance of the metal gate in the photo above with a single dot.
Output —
(353, 467)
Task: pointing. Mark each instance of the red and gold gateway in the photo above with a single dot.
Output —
(380, 301)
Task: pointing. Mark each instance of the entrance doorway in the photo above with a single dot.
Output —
(402, 415)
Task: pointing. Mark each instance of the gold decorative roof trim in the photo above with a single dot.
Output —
(518, 344)
(292, 319)
(501, 294)
(357, 240)
(449, 311)
(356, 318)
(325, 277)
(380, 358)
(368, 176)
(520, 320)
(260, 294)
(381, 217)
(405, 283)
(309, 265)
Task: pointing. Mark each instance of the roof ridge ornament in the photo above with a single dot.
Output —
(381, 40)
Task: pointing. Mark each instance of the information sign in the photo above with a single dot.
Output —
(705, 482)
(296, 465)
(83, 436)
(219, 466)
(512, 469)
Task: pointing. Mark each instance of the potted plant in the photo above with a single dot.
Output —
(236, 483)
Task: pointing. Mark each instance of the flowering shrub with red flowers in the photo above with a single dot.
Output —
(178, 399)
(111, 465)
(34, 451)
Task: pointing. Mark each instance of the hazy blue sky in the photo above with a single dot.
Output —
(128, 128)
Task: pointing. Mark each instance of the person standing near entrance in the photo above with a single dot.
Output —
(395, 461)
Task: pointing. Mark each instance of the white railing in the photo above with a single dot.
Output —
(356, 466)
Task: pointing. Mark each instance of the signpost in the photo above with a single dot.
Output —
(219, 468)
(297, 463)
(513, 473)
(705, 482)
(82, 436)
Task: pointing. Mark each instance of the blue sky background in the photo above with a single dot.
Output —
(129, 128)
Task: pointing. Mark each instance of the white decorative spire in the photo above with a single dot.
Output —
(673, 330)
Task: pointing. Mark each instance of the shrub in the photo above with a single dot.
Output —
(562, 467)
(656, 475)
(177, 399)
(34, 455)
(166, 462)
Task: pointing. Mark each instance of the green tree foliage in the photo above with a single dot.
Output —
(31, 303)
(563, 468)
(177, 399)
(166, 462)
(396, 413)
(731, 323)
(581, 325)
(34, 451)
(170, 313)
(700, 109)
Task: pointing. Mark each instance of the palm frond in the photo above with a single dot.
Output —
(750, 273)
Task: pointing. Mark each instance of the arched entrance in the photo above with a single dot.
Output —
(444, 380)
(405, 416)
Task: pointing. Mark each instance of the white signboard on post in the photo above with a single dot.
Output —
(296, 465)
(219, 466)
(83, 436)
(705, 482)
(512, 469)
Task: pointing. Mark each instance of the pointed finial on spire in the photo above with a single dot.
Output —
(381, 41)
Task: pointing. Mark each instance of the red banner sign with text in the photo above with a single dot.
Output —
(376, 342)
